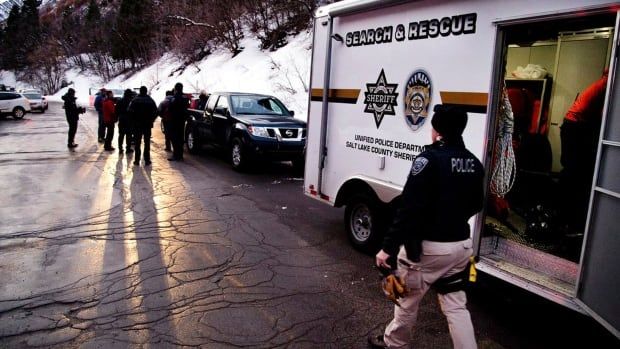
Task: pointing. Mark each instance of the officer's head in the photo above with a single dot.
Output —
(71, 92)
(448, 122)
(143, 90)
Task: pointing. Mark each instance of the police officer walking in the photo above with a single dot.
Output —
(143, 111)
(429, 240)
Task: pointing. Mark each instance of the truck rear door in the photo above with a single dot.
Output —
(599, 282)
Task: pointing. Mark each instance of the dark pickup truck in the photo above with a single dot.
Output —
(250, 126)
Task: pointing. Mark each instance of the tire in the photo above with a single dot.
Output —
(18, 113)
(193, 145)
(238, 155)
(299, 164)
(364, 221)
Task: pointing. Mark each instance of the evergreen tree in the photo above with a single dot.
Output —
(11, 54)
(30, 26)
(93, 14)
(133, 33)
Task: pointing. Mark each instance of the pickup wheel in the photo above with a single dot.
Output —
(18, 113)
(364, 222)
(238, 155)
(192, 142)
(299, 164)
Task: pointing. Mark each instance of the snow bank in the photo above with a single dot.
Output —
(284, 73)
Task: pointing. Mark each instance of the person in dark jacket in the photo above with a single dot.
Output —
(164, 112)
(178, 112)
(98, 104)
(109, 118)
(429, 239)
(125, 123)
(72, 112)
(143, 110)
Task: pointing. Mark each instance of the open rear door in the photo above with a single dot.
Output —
(599, 282)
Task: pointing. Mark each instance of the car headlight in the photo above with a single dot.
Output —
(258, 131)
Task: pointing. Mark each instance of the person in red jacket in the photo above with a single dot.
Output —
(109, 118)
(579, 136)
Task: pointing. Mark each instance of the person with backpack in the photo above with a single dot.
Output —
(163, 110)
(143, 110)
(125, 123)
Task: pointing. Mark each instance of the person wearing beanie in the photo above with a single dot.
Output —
(72, 114)
(428, 243)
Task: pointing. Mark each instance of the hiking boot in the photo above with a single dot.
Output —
(376, 341)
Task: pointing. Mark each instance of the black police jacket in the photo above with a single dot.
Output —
(443, 190)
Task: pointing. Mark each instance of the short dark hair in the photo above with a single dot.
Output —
(169, 93)
(178, 87)
(143, 90)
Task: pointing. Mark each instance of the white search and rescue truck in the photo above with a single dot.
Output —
(379, 68)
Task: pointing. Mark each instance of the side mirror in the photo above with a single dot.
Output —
(291, 112)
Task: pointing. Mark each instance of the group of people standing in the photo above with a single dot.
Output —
(135, 116)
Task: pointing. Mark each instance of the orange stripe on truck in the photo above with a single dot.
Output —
(473, 102)
(336, 95)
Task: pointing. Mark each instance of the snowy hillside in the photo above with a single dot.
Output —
(283, 73)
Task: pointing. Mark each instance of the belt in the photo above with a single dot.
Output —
(408, 265)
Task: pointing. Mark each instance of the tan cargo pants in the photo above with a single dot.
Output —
(439, 259)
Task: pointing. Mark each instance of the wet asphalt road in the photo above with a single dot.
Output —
(98, 253)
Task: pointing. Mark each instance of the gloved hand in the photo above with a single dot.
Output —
(394, 288)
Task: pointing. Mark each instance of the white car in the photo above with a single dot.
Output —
(37, 100)
(15, 104)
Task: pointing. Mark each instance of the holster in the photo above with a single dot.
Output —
(453, 283)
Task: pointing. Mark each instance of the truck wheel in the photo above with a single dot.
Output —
(299, 164)
(364, 223)
(18, 113)
(192, 142)
(238, 157)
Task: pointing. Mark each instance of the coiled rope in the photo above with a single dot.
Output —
(504, 172)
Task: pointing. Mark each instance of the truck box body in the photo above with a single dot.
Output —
(379, 68)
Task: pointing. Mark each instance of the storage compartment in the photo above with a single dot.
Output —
(537, 204)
